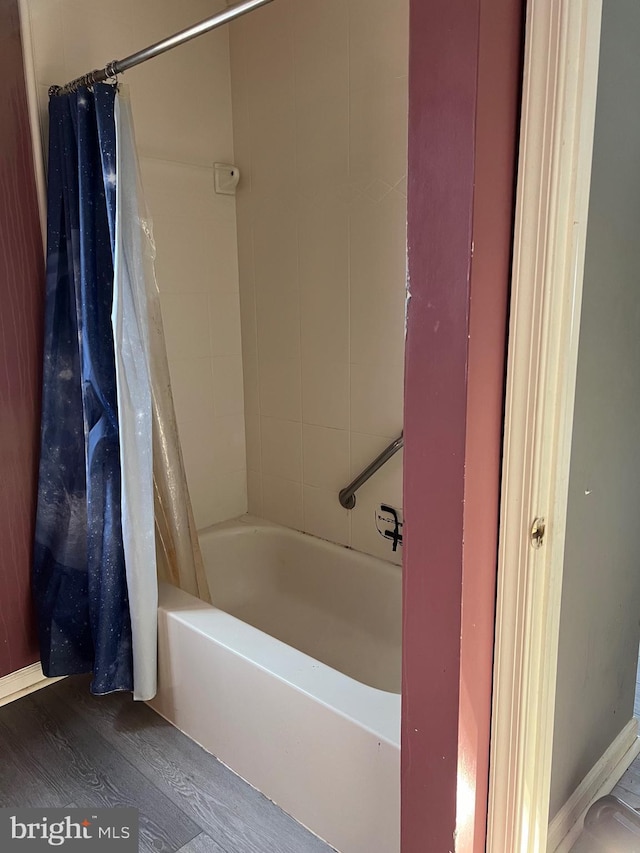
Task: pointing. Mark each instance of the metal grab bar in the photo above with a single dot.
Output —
(347, 496)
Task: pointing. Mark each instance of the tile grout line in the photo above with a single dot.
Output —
(254, 299)
(303, 524)
(254, 306)
(348, 218)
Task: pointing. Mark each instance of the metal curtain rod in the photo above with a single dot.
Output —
(112, 69)
(347, 496)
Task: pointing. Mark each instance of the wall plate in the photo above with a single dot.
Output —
(225, 177)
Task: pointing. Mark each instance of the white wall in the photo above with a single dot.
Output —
(182, 112)
(600, 615)
(320, 116)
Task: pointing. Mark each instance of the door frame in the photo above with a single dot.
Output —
(562, 44)
(465, 66)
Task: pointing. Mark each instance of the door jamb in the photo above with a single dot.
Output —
(558, 115)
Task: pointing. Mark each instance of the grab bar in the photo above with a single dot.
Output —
(347, 496)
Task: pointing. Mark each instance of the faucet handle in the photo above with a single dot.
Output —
(394, 534)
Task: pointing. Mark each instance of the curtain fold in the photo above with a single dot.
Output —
(130, 322)
(113, 504)
(79, 580)
(179, 558)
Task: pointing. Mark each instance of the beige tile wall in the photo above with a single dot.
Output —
(182, 111)
(320, 112)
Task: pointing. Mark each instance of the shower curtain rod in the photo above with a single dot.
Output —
(112, 69)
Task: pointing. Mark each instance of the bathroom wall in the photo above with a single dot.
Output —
(182, 112)
(21, 289)
(320, 116)
(599, 633)
(464, 103)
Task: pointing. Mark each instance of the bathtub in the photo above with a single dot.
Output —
(292, 678)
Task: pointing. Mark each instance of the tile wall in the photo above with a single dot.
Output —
(182, 111)
(320, 114)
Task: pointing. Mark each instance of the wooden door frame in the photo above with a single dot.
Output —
(465, 69)
(558, 116)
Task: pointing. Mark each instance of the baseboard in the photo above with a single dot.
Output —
(22, 682)
(600, 780)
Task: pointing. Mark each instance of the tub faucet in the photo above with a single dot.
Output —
(394, 534)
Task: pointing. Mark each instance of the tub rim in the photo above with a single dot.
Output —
(373, 709)
(239, 523)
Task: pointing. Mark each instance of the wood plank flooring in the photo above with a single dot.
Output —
(61, 746)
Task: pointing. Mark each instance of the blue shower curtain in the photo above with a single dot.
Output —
(79, 577)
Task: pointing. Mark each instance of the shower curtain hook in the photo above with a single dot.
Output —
(111, 71)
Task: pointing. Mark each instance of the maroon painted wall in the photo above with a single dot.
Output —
(443, 61)
(21, 301)
(497, 125)
(464, 82)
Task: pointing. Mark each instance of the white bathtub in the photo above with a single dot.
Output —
(293, 678)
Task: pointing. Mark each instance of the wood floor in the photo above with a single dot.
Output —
(61, 746)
